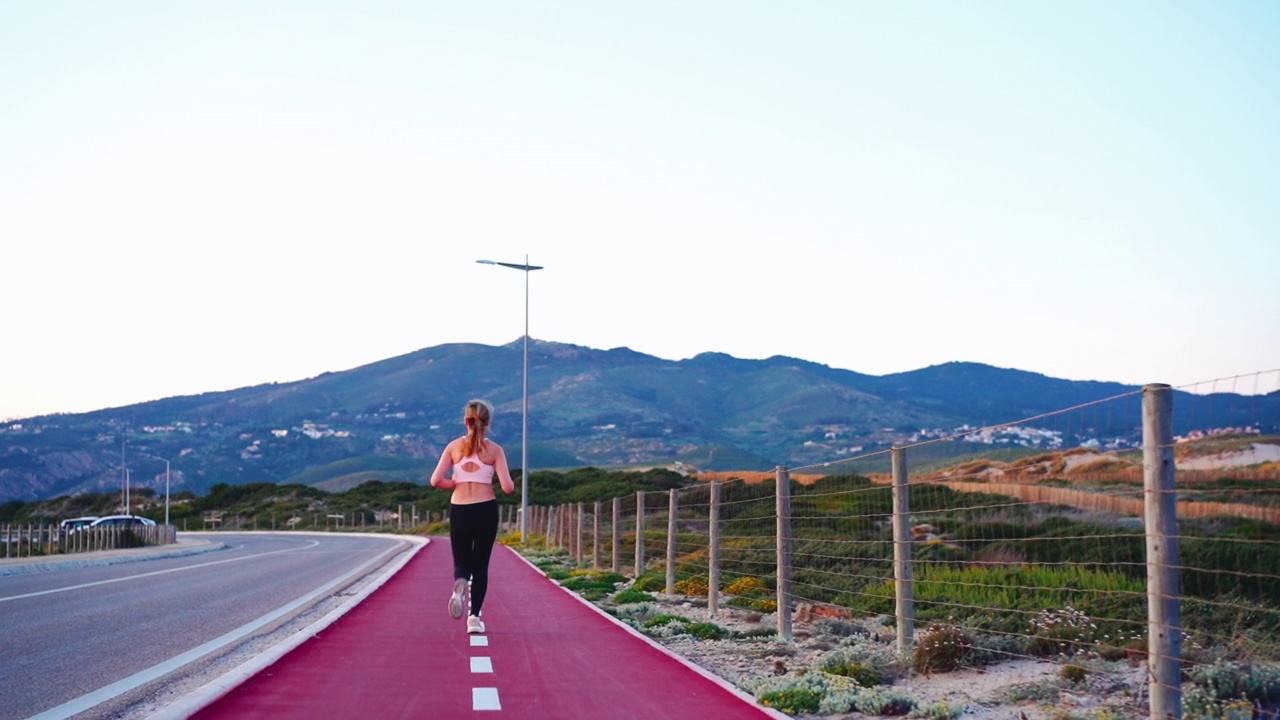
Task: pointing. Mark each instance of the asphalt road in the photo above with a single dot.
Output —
(74, 633)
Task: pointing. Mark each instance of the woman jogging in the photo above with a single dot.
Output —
(473, 510)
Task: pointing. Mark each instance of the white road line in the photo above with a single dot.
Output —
(311, 544)
(479, 641)
(481, 665)
(485, 699)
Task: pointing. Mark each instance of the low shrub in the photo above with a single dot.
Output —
(670, 630)
(631, 595)
(747, 586)
(512, 539)
(838, 702)
(792, 701)
(1111, 653)
(1225, 684)
(664, 619)
(706, 631)
(941, 710)
(874, 656)
(942, 648)
(762, 605)
(864, 675)
(638, 612)
(582, 583)
(1072, 673)
(600, 576)
(696, 585)
(1061, 632)
(650, 582)
(883, 701)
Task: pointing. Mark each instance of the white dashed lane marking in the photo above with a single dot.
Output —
(479, 641)
(481, 665)
(485, 699)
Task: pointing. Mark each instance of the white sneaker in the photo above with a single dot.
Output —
(455, 600)
(475, 625)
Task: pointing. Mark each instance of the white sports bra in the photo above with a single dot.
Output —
(482, 474)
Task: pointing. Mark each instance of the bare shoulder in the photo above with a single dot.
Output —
(454, 449)
(493, 450)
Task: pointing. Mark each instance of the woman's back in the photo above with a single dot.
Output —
(473, 474)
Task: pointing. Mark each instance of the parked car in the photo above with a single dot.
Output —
(120, 521)
(73, 524)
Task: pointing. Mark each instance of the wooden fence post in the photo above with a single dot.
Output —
(903, 590)
(713, 556)
(783, 493)
(617, 534)
(595, 536)
(639, 534)
(1164, 611)
(672, 507)
(577, 540)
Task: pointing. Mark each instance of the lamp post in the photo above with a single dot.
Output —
(524, 432)
(166, 483)
(166, 492)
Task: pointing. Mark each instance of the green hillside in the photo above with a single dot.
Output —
(390, 420)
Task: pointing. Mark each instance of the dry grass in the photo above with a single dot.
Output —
(1102, 465)
(754, 477)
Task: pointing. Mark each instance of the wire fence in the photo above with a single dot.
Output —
(1096, 556)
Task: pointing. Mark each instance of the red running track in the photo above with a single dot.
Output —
(398, 654)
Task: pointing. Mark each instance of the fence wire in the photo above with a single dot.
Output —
(1028, 549)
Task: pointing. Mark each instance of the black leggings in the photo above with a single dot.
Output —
(472, 531)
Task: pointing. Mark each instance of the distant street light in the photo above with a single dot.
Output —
(124, 477)
(166, 491)
(524, 436)
(166, 483)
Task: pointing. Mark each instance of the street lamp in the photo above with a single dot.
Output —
(166, 491)
(124, 477)
(166, 483)
(524, 437)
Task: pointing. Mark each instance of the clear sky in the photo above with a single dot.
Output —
(204, 196)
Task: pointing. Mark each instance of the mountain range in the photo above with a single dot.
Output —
(390, 419)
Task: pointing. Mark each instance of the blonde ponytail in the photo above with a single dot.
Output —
(476, 417)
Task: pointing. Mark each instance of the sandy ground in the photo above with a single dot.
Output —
(1018, 689)
(1253, 455)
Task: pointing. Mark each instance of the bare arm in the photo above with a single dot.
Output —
(443, 468)
(504, 472)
